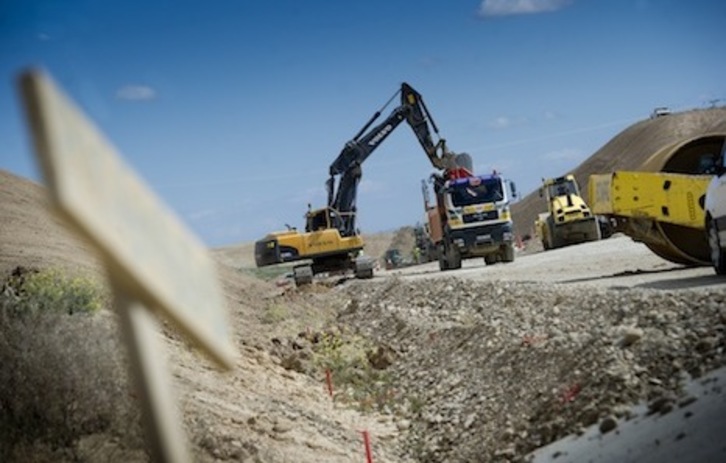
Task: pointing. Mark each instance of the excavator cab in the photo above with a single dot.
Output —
(329, 218)
(318, 219)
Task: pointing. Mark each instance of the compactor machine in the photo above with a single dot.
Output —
(569, 219)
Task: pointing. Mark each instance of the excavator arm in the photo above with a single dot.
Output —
(346, 168)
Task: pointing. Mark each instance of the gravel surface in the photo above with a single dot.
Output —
(612, 263)
(489, 371)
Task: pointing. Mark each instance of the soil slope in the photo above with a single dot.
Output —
(260, 411)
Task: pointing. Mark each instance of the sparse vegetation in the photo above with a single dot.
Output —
(61, 373)
(28, 291)
(352, 363)
(275, 312)
(268, 273)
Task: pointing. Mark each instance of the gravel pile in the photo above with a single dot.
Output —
(491, 371)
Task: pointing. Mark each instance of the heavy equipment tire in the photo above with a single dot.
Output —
(490, 259)
(303, 275)
(508, 254)
(545, 243)
(594, 234)
(363, 267)
(454, 259)
(718, 255)
(552, 239)
(443, 261)
(551, 243)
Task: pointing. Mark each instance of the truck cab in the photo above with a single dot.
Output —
(473, 219)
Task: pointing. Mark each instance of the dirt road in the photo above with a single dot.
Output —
(613, 263)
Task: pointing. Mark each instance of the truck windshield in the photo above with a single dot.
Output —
(466, 193)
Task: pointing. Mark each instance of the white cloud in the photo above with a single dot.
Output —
(515, 7)
(136, 93)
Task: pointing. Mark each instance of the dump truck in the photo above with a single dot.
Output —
(568, 219)
(471, 218)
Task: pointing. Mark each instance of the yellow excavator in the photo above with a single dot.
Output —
(331, 242)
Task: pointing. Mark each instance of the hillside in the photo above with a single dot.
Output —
(628, 150)
(262, 410)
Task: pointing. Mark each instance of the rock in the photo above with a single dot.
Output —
(381, 358)
(608, 424)
(630, 335)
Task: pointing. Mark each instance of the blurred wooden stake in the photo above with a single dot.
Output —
(151, 380)
(154, 263)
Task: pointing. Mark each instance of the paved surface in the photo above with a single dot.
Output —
(617, 262)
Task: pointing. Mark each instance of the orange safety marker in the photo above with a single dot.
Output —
(367, 443)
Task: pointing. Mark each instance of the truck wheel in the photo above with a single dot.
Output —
(718, 255)
(490, 259)
(508, 254)
(454, 258)
(443, 261)
(303, 275)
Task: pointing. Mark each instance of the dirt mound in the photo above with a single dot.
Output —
(628, 151)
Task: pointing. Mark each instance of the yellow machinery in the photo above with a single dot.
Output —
(322, 242)
(662, 205)
(331, 242)
(568, 220)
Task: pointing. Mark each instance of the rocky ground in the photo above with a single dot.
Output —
(491, 371)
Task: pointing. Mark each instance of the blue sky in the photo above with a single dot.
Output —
(233, 110)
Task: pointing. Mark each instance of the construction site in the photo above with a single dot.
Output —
(608, 349)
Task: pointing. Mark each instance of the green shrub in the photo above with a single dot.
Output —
(52, 290)
(63, 374)
(355, 379)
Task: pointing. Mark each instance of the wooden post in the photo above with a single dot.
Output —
(151, 379)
